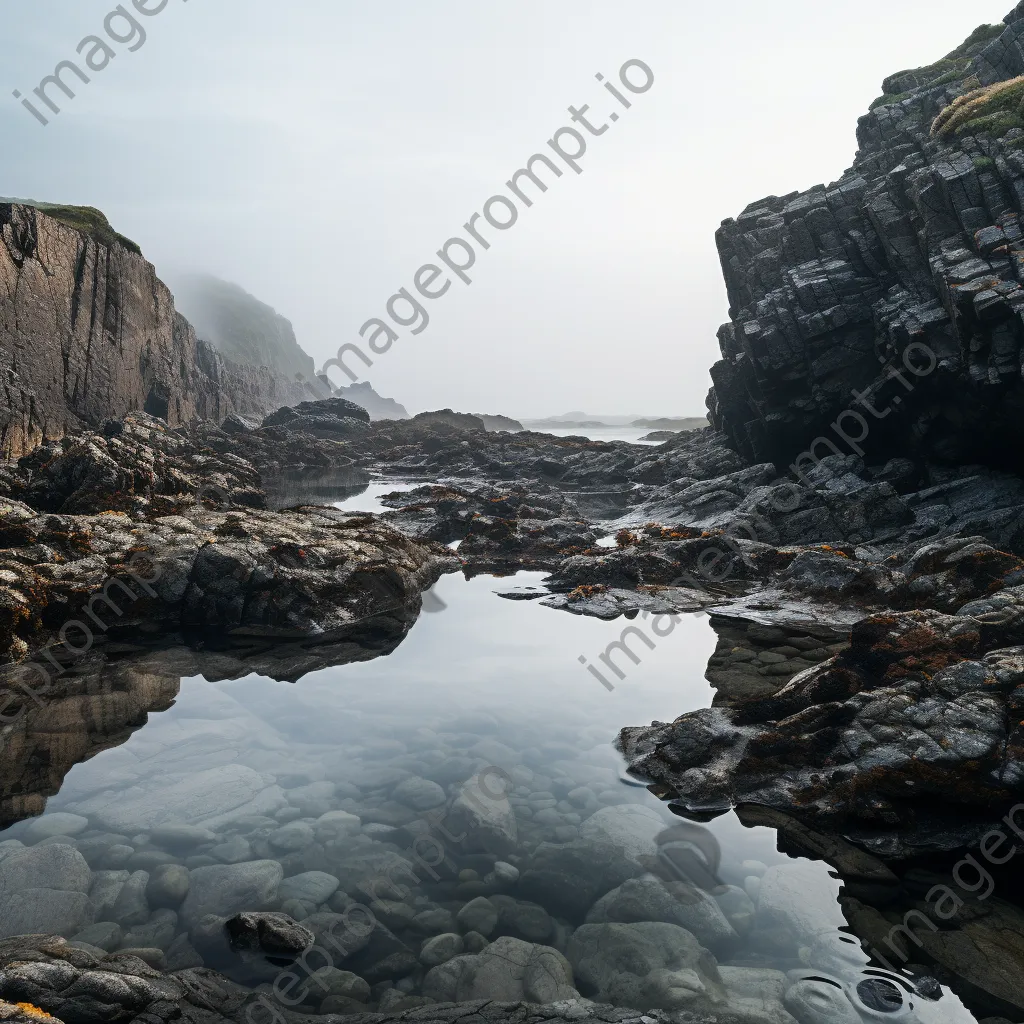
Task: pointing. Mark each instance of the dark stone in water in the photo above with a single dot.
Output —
(275, 934)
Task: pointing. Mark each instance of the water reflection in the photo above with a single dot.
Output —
(464, 791)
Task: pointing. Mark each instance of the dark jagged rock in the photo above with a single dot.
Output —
(921, 710)
(909, 264)
(272, 934)
(336, 419)
(180, 529)
(499, 422)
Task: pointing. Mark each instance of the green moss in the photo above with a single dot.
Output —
(984, 163)
(978, 40)
(87, 219)
(997, 124)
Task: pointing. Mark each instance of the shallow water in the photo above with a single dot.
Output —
(630, 434)
(482, 724)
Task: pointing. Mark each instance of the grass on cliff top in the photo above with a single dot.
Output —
(947, 71)
(994, 109)
(86, 219)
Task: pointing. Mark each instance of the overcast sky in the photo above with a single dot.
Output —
(318, 153)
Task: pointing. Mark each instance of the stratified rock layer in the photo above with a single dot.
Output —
(892, 297)
(88, 332)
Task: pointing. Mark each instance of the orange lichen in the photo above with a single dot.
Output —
(34, 1012)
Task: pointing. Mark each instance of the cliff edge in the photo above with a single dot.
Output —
(89, 332)
(883, 314)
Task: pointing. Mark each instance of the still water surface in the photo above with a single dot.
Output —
(467, 790)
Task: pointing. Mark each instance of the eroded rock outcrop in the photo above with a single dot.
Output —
(892, 297)
(88, 332)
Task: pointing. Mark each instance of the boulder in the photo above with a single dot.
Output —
(508, 970)
(224, 890)
(650, 899)
(645, 965)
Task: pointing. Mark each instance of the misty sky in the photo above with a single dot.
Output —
(319, 152)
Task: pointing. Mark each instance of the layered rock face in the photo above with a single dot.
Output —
(88, 332)
(886, 307)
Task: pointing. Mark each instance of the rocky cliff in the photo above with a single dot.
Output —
(89, 332)
(240, 327)
(883, 313)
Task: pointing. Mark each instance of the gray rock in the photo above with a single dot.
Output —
(103, 892)
(47, 867)
(482, 812)
(755, 994)
(157, 933)
(43, 889)
(434, 922)
(106, 935)
(147, 860)
(799, 896)
(334, 982)
(313, 800)
(167, 886)
(131, 908)
(737, 906)
(49, 911)
(479, 915)
(566, 878)
(225, 890)
(222, 793)
(116, 857)
(650, 899)
(813, 1000)
(522, 920)
(440, 949)
(645, 965)
(336, 825)
(630, 828)
(181, 955)
(419, 794)
(296, 835)
(152, 957)
(314, 887)
(234, 851)
(57, 824)
(181, 837)
(507, 970)
(505, 874)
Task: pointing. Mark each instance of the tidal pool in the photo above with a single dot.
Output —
(451, 822)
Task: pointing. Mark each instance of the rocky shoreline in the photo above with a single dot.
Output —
(852, 523)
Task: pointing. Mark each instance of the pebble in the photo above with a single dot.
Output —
(130, 907)
(234, 851)
(479, 915)
(441, 948)
(506, 873)
(419, 794)
(181, 837)
(167, 886)
(57, 824)
(334, 982)
(475, 942)
(106, 935)
(116, 857)
(295, 836)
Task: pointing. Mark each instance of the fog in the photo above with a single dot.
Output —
(319, 154)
